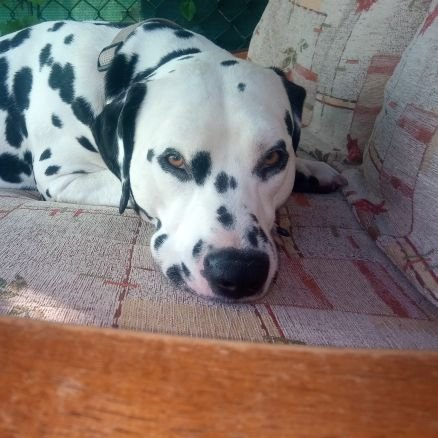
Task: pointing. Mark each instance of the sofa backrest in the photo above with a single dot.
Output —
(342, 52)
(401, 163)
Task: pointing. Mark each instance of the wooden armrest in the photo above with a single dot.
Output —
(66, 381)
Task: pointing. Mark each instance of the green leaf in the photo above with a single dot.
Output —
(188, 9)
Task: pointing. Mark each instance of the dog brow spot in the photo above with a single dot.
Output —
(150, 155)
(201, 167)
(160, 240)
(174, 275)
(52, 170)
(241, 86)
(197, 248)
(46, 155)
(229, 62)
(225, 217)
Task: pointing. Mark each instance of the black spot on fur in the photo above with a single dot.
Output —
(158, 224)
(233, 183)
(185, 57)
(160, 240)
(222, 182)
(82, 110)
(62, 79)
(119, 74)
(174, 275)
(185, 269)
(158, 24)
(11, 167)
(48, 193)
(28, 157)
(22, 87)
(288, 121)
(45, 155)
(197, 248)
(241, 86)
(150, 155)
(46, 56)
(16, 104)
(252, 237)
(229, 62)
(16, 129)
(83, 141)
(69, 39)
(4, 93)
(172, 55)
(225, 217)
(182, 33)
(15, 41)
(56, 121)
(201, 167)
(56, 26)
(52, 170)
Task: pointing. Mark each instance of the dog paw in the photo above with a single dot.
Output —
(316, 177)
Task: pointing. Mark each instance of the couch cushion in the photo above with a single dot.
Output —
(89, 265)
(342, 52)
(396, 197)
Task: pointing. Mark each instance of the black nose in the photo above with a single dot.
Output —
(234, 273)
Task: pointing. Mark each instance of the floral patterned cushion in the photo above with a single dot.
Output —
(89, 265)
(342, 52)
(395, 195)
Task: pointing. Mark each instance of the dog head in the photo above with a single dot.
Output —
(205, 149)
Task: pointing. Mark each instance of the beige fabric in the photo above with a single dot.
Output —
(342, 52)
(89, 265)
(397, 199)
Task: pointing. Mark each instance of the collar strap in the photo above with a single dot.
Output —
(108, 53)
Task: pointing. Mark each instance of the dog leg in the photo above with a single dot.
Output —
(97, 188)
(316, 177)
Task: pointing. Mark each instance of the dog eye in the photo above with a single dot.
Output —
(271, 159)
(176, 160)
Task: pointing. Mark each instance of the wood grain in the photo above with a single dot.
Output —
(64, 381)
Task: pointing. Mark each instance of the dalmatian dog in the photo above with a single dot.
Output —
(158, 118)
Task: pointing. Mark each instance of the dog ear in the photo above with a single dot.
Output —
(296, 95)
(114, 132)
